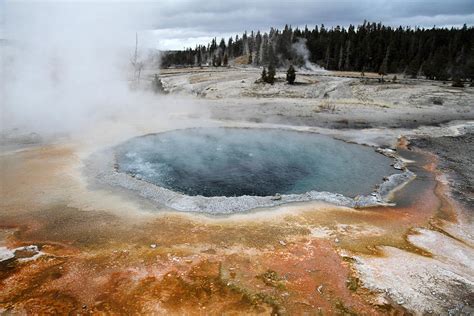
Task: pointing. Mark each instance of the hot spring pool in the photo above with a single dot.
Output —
(256, 162)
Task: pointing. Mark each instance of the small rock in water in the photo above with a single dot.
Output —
(336, 240)
(282, 243)
(153, 246)
(398, 165)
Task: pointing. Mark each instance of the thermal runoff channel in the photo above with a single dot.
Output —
(257, 162)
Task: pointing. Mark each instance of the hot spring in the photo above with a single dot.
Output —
(233, 162)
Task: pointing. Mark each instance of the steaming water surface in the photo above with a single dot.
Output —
(258, 162)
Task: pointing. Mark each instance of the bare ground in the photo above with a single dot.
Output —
(103, 251)
(457, 160)
(319, 99)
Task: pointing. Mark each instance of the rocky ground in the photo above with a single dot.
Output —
(457, 160)
(70, 246)
(318, 99)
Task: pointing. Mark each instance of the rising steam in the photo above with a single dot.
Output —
(302, 52)
(66, 64)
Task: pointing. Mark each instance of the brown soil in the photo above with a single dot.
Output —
(271, 262)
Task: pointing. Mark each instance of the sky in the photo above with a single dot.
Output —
(185, 23)
(176, 24)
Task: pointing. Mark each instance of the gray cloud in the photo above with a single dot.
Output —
(183, 23)
(191, 22)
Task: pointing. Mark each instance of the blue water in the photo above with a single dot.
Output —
(260, 162)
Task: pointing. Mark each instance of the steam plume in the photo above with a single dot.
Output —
(300, 48)
(67, 63)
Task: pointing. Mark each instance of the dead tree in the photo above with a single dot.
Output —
(136, 63)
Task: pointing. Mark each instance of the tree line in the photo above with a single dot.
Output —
(436, 53)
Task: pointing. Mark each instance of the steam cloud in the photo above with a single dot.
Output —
(300, 48)
(66, 64)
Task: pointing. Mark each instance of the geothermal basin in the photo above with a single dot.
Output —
(224, 170)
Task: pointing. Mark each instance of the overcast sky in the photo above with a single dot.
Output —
(186, 23)
(182, 23)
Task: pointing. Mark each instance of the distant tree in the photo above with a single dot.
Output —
(264, 75)
(436, 67)
(457, 82)
(413, 68)
(291, 75)
(383, 69)
(250, 61)
(222, 45)
(258, 46)
(347, 63)
(214, 61)
(137, 64)
(230, 47)
(341, 58)
(271, 54)
(226, 60)
(437, 53)
(264, 49)
(245, 44)
(271, 74)
(428, 69)
(470, 70)
(199, 57)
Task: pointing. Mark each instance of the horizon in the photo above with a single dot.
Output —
(207, 40)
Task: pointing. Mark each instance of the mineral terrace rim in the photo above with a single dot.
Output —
(102, 167)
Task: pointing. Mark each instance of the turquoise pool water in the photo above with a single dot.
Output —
(259, 162)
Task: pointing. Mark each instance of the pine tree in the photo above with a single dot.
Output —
(264, 75)
(383, 70)
(413, 68)
(222, 46)
(470, 70)
(230, 47)
(226, 60)
(341, 58)
(440, 63)
(291, 75)
(438, 53)
(347, 63)
(258, 46)
(271, 74)
(271, 55)
(199, 57)
(265, 49)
